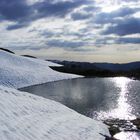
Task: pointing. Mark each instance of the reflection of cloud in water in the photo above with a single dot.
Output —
(123, 109)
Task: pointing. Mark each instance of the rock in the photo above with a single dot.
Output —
(113, 126)
(136, 122)
(108, 138)
(114, 130)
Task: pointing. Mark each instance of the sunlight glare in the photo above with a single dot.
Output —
(123, 109)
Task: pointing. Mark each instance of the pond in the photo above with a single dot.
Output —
(98, 98)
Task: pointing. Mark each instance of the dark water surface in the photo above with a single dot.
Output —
(98, 98)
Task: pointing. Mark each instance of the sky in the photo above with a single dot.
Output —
(75, 30)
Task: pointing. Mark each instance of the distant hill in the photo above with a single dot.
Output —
(99, 69)
(6, 50)
(118, 67)
(29, 56)
(101, 66)
(18, 71)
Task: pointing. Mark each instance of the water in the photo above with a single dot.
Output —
(98, 98)
(128, 136)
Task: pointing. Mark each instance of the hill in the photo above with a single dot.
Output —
(99, 69)
(18, 71)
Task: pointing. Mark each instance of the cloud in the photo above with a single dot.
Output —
(131, 40)
(105, 18)
(117, 40)
(70, 25)
(80, 16)
(16, 26)
(60, 8)
(92, 8)
(22, 13)
(130, 0)
(127, 26)
(64, 43)
(85, 12)
(14, 9)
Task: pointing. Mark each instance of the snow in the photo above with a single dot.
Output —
(18, 71)
(24, 116)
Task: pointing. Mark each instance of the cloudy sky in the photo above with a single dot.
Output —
(79, 30)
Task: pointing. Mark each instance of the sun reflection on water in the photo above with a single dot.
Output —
(123, 109)
(128, 136)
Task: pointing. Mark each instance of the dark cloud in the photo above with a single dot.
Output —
(60, 9)
(123, 27)
(92, 8)
(130, 0)
(131, 40)
(65, 44)
(14, 9)
(17, 26)
(125, 11)
(120, 40)
(85, 13)
(105, 18)
(22, 13)
(47, 33)
(120, 22)
(105, 41)
(80, 16)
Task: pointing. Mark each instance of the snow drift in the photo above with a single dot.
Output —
(18, 71)
(24, 116)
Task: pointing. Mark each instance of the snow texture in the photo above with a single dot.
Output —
(18, 71)
(24, 116)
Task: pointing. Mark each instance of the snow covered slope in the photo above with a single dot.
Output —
(18, 71)
(24, 116)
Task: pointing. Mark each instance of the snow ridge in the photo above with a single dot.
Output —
(18, 71)
(24, 116)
